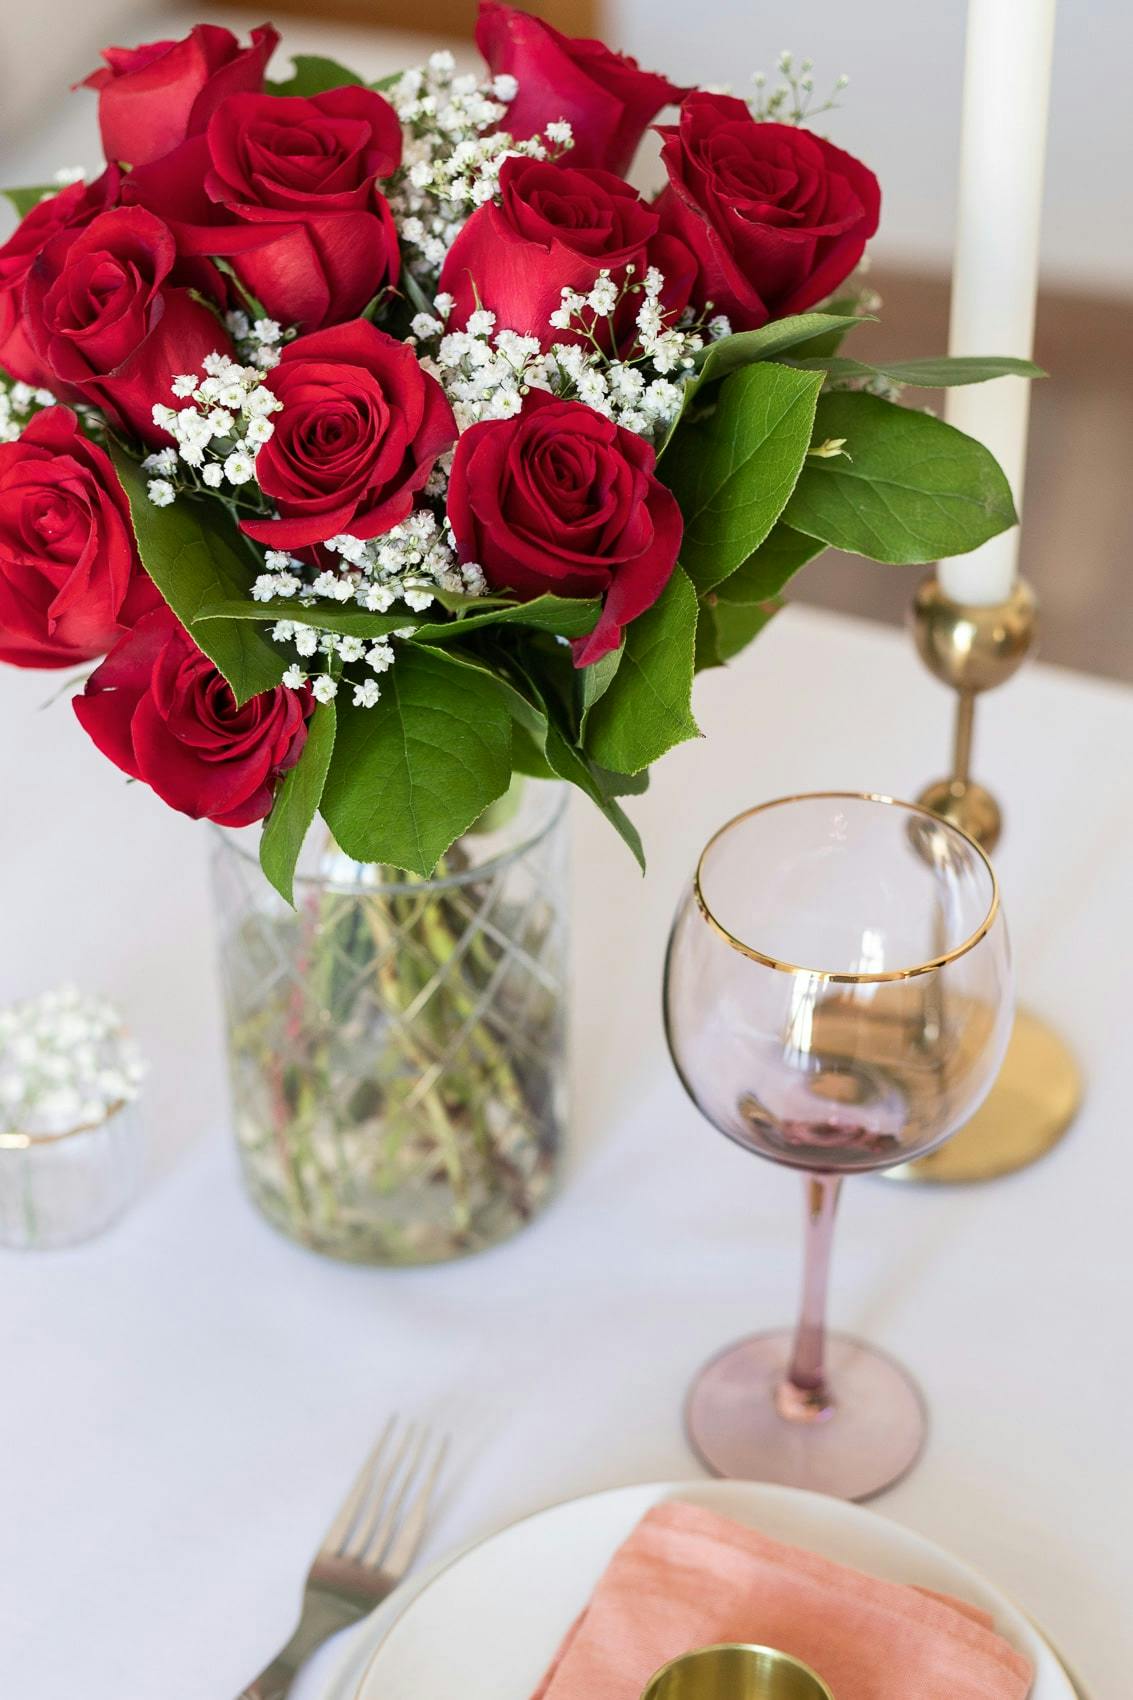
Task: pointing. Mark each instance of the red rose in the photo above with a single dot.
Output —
(151, 97)
(559, 499)
(554, 228)
(103, 318)
(606, 97)
(70, 579)
(161, 711)
(70, 209)
(288, 188)
(776, 216)
(359, 432)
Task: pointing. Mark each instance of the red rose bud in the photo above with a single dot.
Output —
(606, 97)
(360, 430)
(70, 209)
(559, 499)
(557, 227)
(287, 187)
(104, 320)
(777, 217)
(163, 714)
(70, 579)
(151, 97)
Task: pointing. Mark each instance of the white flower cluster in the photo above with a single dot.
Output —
(407, 564)
(486, 373)
(791, 100)
(452, 155)
(17, 404)
(667, 346)
(257, 340)
(64, 1063)
(220, 428)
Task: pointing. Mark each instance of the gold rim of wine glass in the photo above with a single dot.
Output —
(846, 979)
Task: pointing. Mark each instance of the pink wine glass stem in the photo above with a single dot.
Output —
(807, 1371)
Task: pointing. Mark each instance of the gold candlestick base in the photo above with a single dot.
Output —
(1039, 1088)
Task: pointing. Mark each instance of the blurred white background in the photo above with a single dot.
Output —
(900, 114)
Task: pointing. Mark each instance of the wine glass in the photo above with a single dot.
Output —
(838, 998)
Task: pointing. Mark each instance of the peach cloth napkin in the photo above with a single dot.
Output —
(687, 1578)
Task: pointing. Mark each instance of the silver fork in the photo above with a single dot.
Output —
(365, 1552)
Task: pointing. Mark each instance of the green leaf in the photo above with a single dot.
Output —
(707, 649)
(733, 470)
(732, 352)
(591, 683)
(410, 775)
(527, 755)
(572, 764)
(621, 784)
(569, 617)
(296, 803)
(349, 622)
(414, 294)
(25, 199)
(646, 709)
(912, 490)
(770, 567)
(930, 374)
(735, 625)
(314, 75)
(197, 558)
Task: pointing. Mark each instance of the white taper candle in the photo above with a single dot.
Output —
(995, 270)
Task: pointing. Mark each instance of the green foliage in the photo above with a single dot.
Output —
(734, 468)
(296, 803)
(735, 624)
(348, 622)
(770, 567)
(564, 616)
(25, 199)
(745, 347)
(408, 776)
(944, 372)
(909, 488)
(197, 558)
(314, 75)
(645, 708)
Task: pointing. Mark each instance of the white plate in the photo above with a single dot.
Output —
(488, 1622)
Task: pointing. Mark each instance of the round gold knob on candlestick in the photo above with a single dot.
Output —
(973, 649)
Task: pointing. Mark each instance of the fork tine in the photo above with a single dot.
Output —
(379, 1492)
(372, 1537)
(355, 1500)
(408, 1539)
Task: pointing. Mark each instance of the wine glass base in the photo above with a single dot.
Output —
(869, 1436)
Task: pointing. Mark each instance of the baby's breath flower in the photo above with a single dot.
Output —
(161, 493)
(367, 693)
(239, 467)
(325, 688)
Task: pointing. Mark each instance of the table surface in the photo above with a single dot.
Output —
(185, 1399)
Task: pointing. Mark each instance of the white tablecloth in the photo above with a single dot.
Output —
(184, 1400)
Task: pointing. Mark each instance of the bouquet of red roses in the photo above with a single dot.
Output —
(383, 442)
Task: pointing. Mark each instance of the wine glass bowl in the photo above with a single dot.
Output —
(837, 999)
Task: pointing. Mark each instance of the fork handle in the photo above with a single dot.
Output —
(319, 1622)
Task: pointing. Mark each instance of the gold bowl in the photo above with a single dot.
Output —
(736, 1672)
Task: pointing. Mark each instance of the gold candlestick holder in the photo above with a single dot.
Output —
(1036, 1097)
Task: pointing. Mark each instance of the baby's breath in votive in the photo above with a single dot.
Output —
(69, 1158)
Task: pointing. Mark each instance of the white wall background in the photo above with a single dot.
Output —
(900, 112)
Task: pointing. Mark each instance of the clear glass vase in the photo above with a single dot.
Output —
(397, 1045)
(59, 1189)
